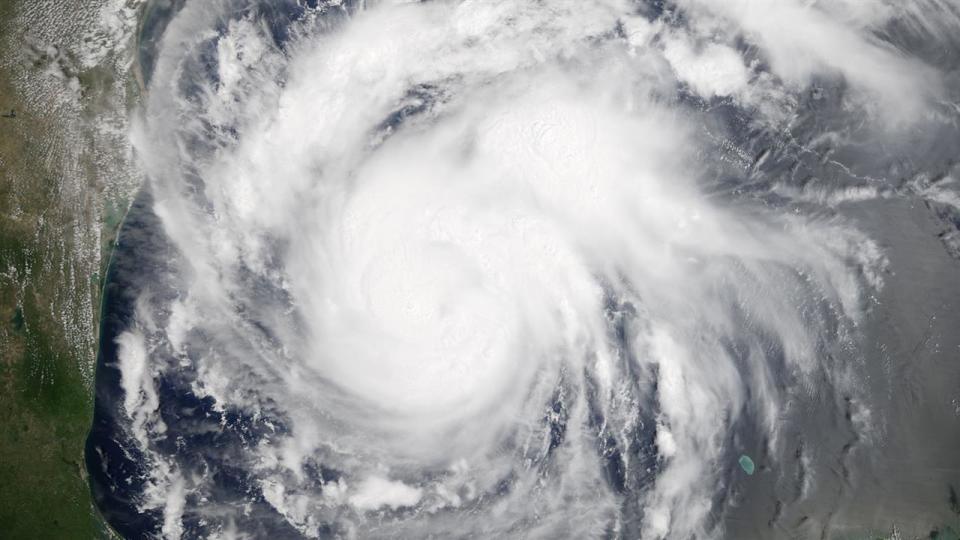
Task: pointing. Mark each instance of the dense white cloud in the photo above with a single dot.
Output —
(418, 229)
(716, 71)
(803, 39)
(376, 492)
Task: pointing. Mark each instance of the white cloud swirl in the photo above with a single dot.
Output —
(461, 251)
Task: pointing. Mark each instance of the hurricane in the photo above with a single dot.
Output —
(493, 269)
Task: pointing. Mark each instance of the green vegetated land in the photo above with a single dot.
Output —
(49, 298)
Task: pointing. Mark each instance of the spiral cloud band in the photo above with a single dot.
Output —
(469, 269)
